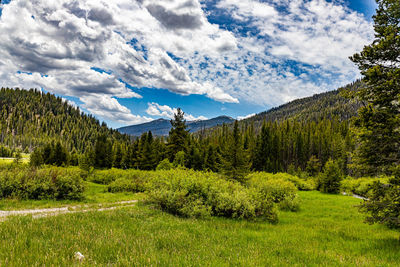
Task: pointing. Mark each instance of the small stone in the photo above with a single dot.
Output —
(79, 256)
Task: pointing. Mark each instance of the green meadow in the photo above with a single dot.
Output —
(326, 231)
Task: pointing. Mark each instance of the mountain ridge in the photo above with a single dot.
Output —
(161, 127)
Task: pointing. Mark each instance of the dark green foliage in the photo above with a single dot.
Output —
(51, 154)
(179, 160)
(48, 183)
(18, 157)
(377, 126)
(103, 157)
(383, 205)
(211, 159)
(329, 179)
(313, 166)
(177, 135)
(36, 158)
(30, 119)
(234, 162)
(147, 154)
(5, 152)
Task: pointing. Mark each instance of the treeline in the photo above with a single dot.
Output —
(279, 147)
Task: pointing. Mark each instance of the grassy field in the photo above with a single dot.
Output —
(24, 159)
(328, 231)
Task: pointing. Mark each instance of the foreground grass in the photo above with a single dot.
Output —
(327, 231)
(94, 194)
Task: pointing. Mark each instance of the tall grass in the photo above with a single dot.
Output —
(327, 231)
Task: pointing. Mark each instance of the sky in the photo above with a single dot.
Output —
(133, 61)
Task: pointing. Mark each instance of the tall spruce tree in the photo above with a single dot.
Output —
(178, 135)
(234, 163)
(147, 156)
(378, 123)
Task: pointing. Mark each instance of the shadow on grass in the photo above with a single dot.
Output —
(385, 245)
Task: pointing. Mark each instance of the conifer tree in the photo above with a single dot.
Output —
(378, 123)
(177, 135)
(147, 155)
(234, 163)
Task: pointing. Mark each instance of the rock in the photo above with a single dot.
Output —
(79, 256)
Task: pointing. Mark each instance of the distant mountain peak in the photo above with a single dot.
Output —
(161, 127)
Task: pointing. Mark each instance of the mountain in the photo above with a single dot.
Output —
(325, 105)
(161, 127)
(30, 118)
(328, 105)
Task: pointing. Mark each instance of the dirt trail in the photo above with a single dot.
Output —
(38, 213)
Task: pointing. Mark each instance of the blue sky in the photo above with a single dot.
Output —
(130, 62)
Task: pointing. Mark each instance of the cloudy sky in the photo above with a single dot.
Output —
(132, 61)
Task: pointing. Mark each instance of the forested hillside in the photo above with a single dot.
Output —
(31, 118)
(327, 105)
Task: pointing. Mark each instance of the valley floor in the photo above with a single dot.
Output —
(327, 231)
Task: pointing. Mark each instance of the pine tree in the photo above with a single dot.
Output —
(177, 135)
(147, 154)
(103, 156)
(378, 123)
(211, 159)
(234, 163)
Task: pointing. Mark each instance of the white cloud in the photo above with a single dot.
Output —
(109, 108)
(246, 117)
(165, 111)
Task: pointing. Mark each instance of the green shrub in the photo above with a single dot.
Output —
(47, 183)
(301, 184)
(202, 194)
(280, 191)
(329, 179)
(361, 186)
(127, 185)
(164, 165)
(106, 177)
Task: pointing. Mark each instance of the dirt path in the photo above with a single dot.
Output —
(38, 213)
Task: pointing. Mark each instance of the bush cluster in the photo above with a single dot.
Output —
(135, 185)
(301, 184)
(47, 183)
(361, 186)
(329, 180)
(201, 194)
(282, 192)
(106, 177)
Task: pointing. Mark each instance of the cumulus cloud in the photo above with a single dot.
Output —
(109, 108)
(165, 111)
